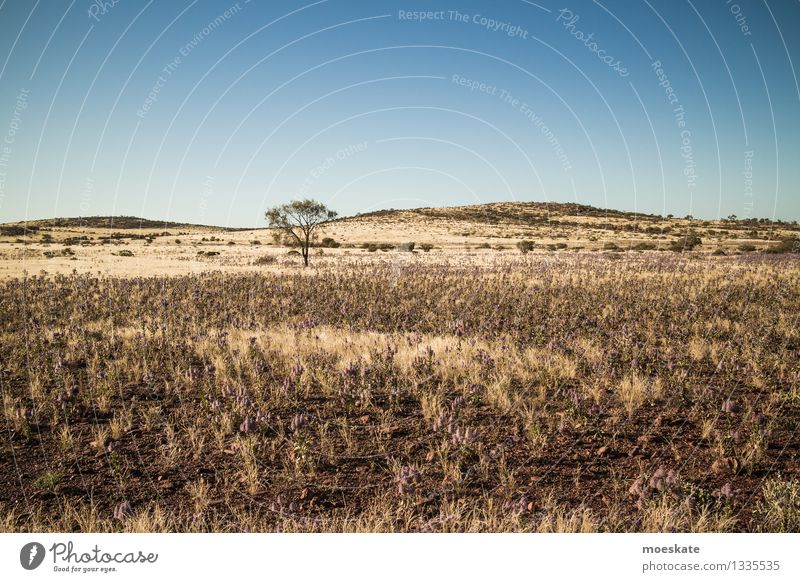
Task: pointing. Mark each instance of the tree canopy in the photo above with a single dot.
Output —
(299, 219)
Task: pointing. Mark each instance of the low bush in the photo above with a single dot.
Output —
(265, 260)
(787, 245)
(65, 252)
(685, 243)
(525, 246)
(329, 243)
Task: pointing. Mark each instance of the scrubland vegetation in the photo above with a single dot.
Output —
(595, 392)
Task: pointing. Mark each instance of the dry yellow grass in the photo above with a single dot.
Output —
(574, 390)
(472, 235)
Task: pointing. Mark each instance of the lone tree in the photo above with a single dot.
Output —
(299, 219)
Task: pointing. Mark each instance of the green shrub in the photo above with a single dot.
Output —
(47, 480)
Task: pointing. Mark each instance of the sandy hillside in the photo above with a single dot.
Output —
(482, 234)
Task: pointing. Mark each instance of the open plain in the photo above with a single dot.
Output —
(618, 373)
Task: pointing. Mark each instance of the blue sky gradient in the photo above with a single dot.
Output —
(211, 112)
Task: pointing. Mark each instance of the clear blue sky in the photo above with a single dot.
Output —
(213, 111)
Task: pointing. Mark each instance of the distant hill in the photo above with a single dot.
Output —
(109, 222)
(511, 212)
(549, 213)
(497, 214)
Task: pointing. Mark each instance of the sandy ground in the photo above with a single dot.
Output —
(186, 250)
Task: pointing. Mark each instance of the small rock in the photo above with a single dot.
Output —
(726, 465)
